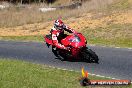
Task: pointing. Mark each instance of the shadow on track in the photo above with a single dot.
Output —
(75, 60)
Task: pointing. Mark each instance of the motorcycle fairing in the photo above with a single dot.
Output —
(76, 40)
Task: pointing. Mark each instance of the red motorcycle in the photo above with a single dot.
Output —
(77, 45)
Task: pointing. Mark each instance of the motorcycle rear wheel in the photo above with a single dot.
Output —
(61, 54)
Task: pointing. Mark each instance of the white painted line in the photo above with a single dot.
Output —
(98, 75)
(64, 69)
(59, 68)
(117, 47)
(112, 47)
(108, 77)
(71, 70)
(91, 45)
(113, 78)
(88, 73)
(102, 76)
(91, 74)
(129, 48)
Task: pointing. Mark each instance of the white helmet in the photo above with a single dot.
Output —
(58, 24)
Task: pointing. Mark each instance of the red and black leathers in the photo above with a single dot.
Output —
(57, 33)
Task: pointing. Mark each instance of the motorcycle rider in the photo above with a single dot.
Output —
(57, 33)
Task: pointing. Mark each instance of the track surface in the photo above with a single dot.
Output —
(113, 62)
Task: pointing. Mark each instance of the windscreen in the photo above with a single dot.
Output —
(75, 39)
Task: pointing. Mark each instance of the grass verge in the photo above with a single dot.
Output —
(23, 38)
(126, 43)
(116, 35)
(20, 74)
(97, 41)
(119, 35)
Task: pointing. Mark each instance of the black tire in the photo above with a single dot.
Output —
(57, 53)
(90, 55)
(85, 56)
(93, 56)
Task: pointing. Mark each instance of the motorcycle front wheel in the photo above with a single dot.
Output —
(90, 55)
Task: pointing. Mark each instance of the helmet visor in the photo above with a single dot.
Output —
(59, 27)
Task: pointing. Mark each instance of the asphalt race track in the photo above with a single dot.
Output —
(114, 62)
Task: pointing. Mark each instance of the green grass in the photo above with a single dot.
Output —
(112, 35)
(112, 42)
(119, 42)
(116, 35)
(23, 38)
(20, 74)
